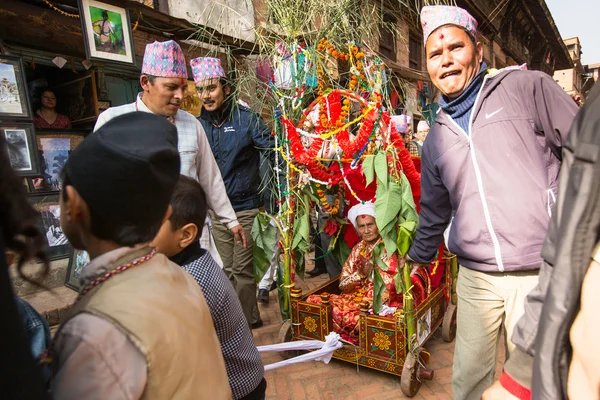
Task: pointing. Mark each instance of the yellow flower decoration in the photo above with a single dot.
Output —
(310, 324)
(381, 341)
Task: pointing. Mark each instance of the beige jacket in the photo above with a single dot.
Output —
(197, 160)
(145, 333)
(584, 374)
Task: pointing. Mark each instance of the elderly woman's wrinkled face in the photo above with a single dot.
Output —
(367, 228)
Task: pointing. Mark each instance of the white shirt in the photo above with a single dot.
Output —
(197, 160)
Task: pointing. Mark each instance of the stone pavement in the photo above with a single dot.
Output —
(342, 380)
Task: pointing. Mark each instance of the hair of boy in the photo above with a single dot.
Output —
(122, 234)
(189, 204)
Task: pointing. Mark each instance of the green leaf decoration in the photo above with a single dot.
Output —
(378, 287)
(406, 233)
(398, 282)
(381, 168)
(409, 209)
(369, 168)
(378, 254)
(341, 251)
(264, 236)
(387, 209)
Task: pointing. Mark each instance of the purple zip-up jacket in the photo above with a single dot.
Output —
(496, 185)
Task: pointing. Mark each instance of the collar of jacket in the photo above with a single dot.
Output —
(489, 84)
(219, 116)
(189, 254)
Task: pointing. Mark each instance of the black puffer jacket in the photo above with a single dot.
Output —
(542, 358)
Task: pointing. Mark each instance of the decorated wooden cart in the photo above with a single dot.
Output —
(392, 343)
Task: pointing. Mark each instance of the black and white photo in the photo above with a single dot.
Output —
(19, 141)
(47, 205)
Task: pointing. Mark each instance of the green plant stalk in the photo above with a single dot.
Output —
(409, 312)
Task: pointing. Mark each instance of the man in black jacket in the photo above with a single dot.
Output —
(237, 135)
(539, 366)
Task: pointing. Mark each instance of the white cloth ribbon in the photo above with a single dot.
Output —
(332, 343)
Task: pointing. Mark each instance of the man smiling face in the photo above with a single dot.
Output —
(453, 59)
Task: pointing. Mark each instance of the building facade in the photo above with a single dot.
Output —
(571, 79)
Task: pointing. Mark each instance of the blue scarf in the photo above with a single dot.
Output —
(461, 107)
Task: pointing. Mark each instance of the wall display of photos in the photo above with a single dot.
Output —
(14, 101)
(77, 262)
(54, 147)
(19, 139)
(48, 208)
(107, 32)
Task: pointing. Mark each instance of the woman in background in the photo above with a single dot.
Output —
(47, 117)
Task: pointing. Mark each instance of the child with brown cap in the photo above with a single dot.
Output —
(140, 327)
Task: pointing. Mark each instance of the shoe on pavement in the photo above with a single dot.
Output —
(273, 286)
(316, 272)
(263, 296)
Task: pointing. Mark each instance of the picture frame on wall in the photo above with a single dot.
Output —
(54, 147)
(77, 262)
(48, 207)
(19, 139)
(77, 99)
(107, 32)
(14, 99)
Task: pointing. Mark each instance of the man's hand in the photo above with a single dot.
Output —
(413, 264)
(240, 235)
(497, 392)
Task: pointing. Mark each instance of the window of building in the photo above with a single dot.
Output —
(415, 51)
(387, 38)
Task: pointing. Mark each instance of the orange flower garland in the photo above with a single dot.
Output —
(323, 200)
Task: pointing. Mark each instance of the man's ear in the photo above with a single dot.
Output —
(75, 208)
(145, 83)
(479, 50)
(189, 233)
(227, 90)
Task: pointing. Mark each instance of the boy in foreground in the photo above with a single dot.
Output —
(178, 239)
(135, 327)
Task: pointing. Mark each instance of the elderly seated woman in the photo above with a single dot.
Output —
(356, 279)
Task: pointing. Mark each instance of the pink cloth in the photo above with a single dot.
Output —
(164, 59)
(433, 17)
(205, 68)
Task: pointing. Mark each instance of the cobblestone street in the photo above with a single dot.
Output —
(341, 380)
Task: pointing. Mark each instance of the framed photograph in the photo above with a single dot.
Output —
(14, 101)
(78, 99)
(20, 144)
(47, 205)
(107, 32)
(54, 147)
(79, 259)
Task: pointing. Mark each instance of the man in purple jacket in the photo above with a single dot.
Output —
(490, 169)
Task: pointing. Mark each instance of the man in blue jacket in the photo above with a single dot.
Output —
(490, 164)
(237, 136)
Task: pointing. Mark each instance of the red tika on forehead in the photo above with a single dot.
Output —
(441, 35)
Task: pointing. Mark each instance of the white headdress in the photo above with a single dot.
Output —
(361, 209)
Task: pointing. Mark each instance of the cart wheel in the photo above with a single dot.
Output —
(286, 335)
(449, 324)
(414, 371)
